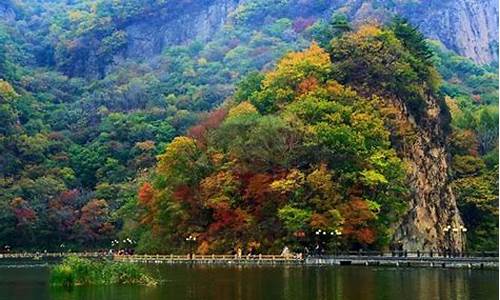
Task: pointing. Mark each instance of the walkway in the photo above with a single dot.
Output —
(483, 260)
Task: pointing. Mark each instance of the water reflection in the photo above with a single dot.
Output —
(265, 282)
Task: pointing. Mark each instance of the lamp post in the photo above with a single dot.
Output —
(322, 236)
(451, 231)
(191, 240)
(336, 235)
(447, 231)
(463, 235)
(318, 241)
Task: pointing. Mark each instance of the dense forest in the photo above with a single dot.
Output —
(271, 128)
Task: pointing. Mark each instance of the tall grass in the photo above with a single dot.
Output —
(79, 271)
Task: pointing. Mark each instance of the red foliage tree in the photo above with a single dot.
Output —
(62, 212)
(146, 193)
(212, 121)
(357, 216)
(25, 215)
(93, 225)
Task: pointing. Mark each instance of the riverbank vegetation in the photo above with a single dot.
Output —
(74, 271)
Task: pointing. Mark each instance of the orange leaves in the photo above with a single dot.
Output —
(145, 194)
(319, 221)
(227, 218)
(357, 217)
(203, 248)
(259, 187)
(212, 121)
(25, 215)
(182, 194)
(358, 211)
(365, 235)
(307, 85)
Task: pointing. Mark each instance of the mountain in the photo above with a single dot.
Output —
(468, 27)
(93, 91)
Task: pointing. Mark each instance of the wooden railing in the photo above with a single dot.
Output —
(401, 255)
(214, 257)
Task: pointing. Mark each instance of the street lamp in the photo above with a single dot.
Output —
(447, 231)
(463, 235)
(191, 240)
(318, 241)
(336, 234)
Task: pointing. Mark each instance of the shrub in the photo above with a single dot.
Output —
(78, 271)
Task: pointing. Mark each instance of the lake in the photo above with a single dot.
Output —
(20, 282)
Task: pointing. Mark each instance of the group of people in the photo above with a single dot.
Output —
(250, 253)
(126, 251)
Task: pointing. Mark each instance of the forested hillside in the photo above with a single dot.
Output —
(87, 105)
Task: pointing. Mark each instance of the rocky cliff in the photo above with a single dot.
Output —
(433, 205)
(199, 20)
(470, 27)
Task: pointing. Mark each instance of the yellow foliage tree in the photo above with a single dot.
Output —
(243, 108)
(178, 162)
(297, 66)
(7, 92)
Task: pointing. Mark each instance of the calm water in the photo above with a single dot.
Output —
(274, 283)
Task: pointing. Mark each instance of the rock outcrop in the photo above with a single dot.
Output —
(433, 206)
(469, 27)
(198, 20)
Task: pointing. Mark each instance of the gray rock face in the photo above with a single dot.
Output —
(469, 27)
(197, 21)
(433, 206)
